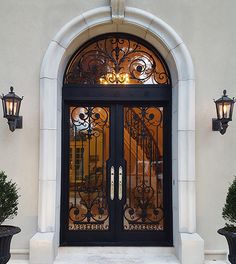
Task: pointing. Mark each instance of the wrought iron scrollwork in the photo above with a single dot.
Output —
(144, 206)
(88, 208)
(89, 120)
(116, 59)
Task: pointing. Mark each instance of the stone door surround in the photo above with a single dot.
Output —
(188, 244)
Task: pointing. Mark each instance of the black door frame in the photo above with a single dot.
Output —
(118, 94)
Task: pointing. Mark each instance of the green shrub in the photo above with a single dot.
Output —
(229, 209)
(8, 198)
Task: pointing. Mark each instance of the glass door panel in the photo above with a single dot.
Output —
(117, 175)
(143, 153)
(89, 152)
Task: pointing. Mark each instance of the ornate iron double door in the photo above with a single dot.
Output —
(116, 184)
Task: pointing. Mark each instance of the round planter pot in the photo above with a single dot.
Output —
(231, 239)
(6, 233)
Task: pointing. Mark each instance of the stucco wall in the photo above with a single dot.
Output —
(207, 28)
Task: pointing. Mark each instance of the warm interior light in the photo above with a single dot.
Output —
(11, 107)
(115, 78)
(224, 110)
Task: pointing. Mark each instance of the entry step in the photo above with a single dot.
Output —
(116, 255)
(27, 262)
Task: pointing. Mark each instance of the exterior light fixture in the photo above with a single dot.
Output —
(11, 108)
(224, 110)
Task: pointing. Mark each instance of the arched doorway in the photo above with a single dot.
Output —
(187, 242)
(116, 130)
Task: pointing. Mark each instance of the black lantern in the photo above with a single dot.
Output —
(224, 110)
(11, 108)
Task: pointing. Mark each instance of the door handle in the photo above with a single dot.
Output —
(112, 189)
(120, 183)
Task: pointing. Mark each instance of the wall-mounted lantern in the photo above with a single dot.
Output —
(224, 110)
(11, 108)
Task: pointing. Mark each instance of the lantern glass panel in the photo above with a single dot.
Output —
(226, 110)
(223, 110)
(12, 107)
(4, 108)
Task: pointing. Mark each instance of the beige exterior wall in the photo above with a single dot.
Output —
(208, 30)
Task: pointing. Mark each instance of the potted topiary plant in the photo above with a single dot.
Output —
(8, 209)
(229, 214)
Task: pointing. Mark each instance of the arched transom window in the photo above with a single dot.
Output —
(117, 59)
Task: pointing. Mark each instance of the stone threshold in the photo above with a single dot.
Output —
(119, 255)
(27, 262)
(115, 255)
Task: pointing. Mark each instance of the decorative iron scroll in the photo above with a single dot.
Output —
(143, 150)
(116, 60)
(89, 132)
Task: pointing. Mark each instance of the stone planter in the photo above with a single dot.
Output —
(231, 239)
(6, 234)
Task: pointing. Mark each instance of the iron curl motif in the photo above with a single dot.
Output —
(89, 121)
(88, 209)
(142, 210)
(144, 213)
(116, 59)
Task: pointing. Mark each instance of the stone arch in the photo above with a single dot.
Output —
(178, 59)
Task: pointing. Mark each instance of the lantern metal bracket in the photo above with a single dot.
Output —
(218, 126)
(19, 122)
(15, 123)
